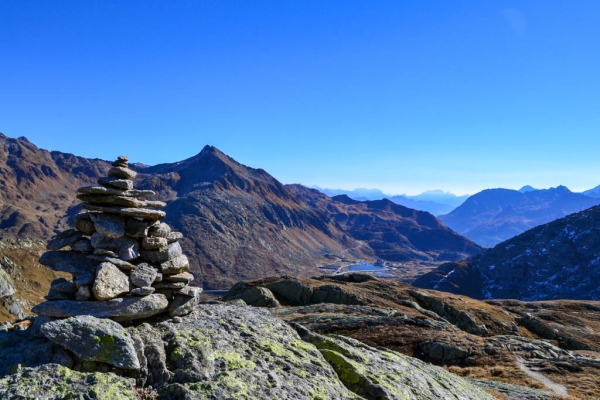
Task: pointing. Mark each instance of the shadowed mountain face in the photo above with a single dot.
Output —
(558, 260)
(394, 232)
(239, 222)
(494, 215)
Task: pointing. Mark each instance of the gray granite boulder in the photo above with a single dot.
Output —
(61, 285)
(124, 265)
(118, 183)
(143, 291)
(143, 275)
(83, 223)
(185, 277)
(255, 296)
(107, 191)
(64, 239)
(122, 173)
(6, 284)
(126, 248)
(83, 279)
(110, 282)
(165, 254)
(127, 211)
(83, 246)
(175, 266)
(109, 225)
(83, 293)
(94, 339)
(160, 230)
(119, 309)
(183, 304)
(174, 236)
(68, 261)
(154, 243)
(135, 228)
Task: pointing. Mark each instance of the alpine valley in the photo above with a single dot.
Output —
(517, 321)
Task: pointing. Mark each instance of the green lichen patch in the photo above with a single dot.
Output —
(376, 373)
(54, 382)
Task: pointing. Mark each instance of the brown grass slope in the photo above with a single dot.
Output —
(37, 187)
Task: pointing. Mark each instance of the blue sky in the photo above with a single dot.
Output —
(404, 96)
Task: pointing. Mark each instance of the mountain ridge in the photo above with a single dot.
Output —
(557, 260)
(494, 215)
(394, 232)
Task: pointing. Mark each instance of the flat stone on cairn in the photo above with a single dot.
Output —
(121, 256)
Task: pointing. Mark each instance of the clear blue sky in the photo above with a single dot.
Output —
(400, 95)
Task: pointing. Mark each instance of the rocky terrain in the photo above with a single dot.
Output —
(217, 351)
(394, 232)
(558, 260)
(523, 350)
(494, 215)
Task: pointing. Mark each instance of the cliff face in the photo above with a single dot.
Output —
(222, 351)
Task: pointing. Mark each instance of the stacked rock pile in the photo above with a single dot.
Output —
(126, 264)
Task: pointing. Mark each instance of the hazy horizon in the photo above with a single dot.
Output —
(404, 97)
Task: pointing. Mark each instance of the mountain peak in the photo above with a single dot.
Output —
(527, 188)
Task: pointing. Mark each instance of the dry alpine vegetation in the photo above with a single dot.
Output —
(550, 346)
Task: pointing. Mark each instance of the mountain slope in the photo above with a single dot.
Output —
(558, 260)
(394, 232)
(595, 192)
(240, 222)
(37, 187)
(494, 215)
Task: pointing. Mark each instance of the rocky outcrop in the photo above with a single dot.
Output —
(94, 339)
(220, 351)
(383, 374)
(55, 382)
(289, 291)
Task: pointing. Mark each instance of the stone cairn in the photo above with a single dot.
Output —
(126, 264)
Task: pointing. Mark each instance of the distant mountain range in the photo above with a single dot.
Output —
(394, 232)
(436, 202)
(494, 215)
(557, 260)
(595, 192)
